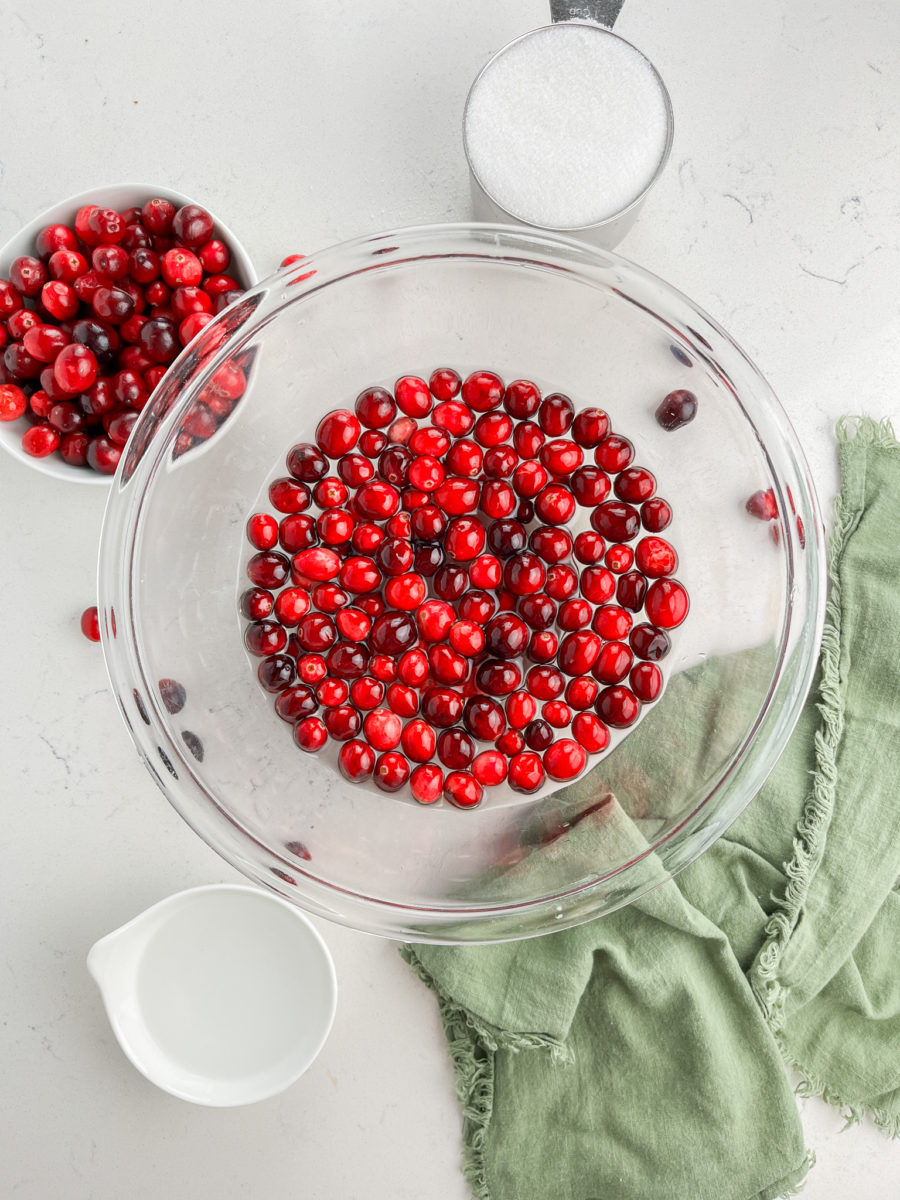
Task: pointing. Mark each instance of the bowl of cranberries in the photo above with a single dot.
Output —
(490, 601)
(98, 296)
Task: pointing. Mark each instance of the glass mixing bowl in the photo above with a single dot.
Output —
(307, 340)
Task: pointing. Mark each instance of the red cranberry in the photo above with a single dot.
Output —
(291, 605)
(192, 225)
(486, 571)
(405, 592)
(377, 500)
(613, 663)
(579, 652)
(597, 584)
(392, 633)
(677, 409)
(74, 447)
(375, 408)
(311, 668)
(296, 702)
(655, 557)
(528, 479)
(499, 462)
(329, 598)
(353, 624)
(102, 455)
(428, 523)
(498, 500)
(635, 484)
(268, 570)
(555, 505)
(44, 342)
(335, 526)
(590, 732)
(366, 693)
(262, 531)
(394, 556)
(446, 665)
(589, 547)
(489, 768)
(27, 275)
(382, 729)
(427, 783)
(565, 760)
(358, 574)
(614, 454)
(307, 463)
(296, 532)
(537, 610)
(590, 427)
(497, 678)
(342, 722)
(464, 539)
(264, 637)
(526, 774)
(425, 473)
(552, 545)
(102, 225)
(611, 622)
(316, 632)
(616, 521)
(57, 298)
(655, 515)
(666, 603)
(311, 734)
(366, 538)
(444, 383)
(763, 505)
(434, 619)
(90, 624)
(455, 749)
(454, 417)
(492, 429)
(581, 692)
(394, 464)
(619, 558)
(10, 299)
(53, 238)
(482, 391)
(590, 486)
(618, 706)
(528, 440)
(521, 709)
(545, 683)
(356, 761)
(561, 582)
(319, 563)
(276, 673)
(413, 396)
(524, 574)
(646, 681)
(418, 741)
(462, 789)
(561, 457)
(556, 414)
(337, 433)
(66, 418)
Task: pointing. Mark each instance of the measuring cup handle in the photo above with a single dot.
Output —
(601, 12)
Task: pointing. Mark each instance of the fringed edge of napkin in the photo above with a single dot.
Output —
(472, 1044)
(812, 829)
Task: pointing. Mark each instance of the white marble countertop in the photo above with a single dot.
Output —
(301, 125)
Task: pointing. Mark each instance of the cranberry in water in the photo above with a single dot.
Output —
(618, 706)
(676, 409)
(427, 783)
(666, 603)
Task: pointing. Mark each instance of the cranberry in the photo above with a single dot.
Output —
(486, 571)
(565, 760)
(618, 706)
(611, 622)
(337, 433)
(555, 505)
(498, 499)
(425, 473)
(192, 225)
(316, 632)
(561, 581)
(613, 663)
(507, 537)
(521, 709)
(377, 500)
(528, 440)
(158, 215)
(434, 619)
(492, 429)
(556, 414)
(561, 456)
(291, 605)
(296, 532)
(538, 735)
(57, 298)
(356, 761)
(635, 484)
(318, 562)
(53, 238)
(335, 526)
(264, 637)
(482, 391)
(428, 523)
(484, 718)
(159, 340)
(262, 531)
(365, 692)
(499, 462)
(455, 749)
(181, 268)
(103, 225)
(589, 547)
(13, 402)
(342, 722)
(528, 479)
(655, 515)
(11, 300)
(655, 557)
(506, 636)
(552, 545)
(545, 683)
(372, 606)
(524, 574)
(296, 702)
(276, 672)
(102, 455)
(382, 729)
(677, 409)
(352, 623)
(427, 559)
(464, 458)
(542, 647)
(597, 584)
(666, 603)
(526, 774)
(447, 666)
(537, 610)
(590, 732)
(649, 643)
(268, 569)
(497, 678)
(329, 598)
(581, 692)
(427, 783)
(307, 463)
(464, 539)
(646, 681)
(578, 653)
(348, 660)
(590, 486)
(330, 492)
(66, 418)
(631, 590)
(90, 624)
(590, 427)
(418, 741)
(366, 538)
(441, 706)
(489, 768)
(450, 582)
(763, 505)
(467, 638)
(405, 592)
(110, 304)
(462, 789)
(615, 520)
(392, 633)
(311, 668)
(358, 574)
(44, 342)
(311, 734)
(510, 743)
(619, 558)
(27, 275)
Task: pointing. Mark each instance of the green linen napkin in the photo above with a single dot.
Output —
(644, 1055)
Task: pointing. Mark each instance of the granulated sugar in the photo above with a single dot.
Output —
(566, 127)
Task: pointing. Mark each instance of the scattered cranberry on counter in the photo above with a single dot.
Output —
(418, 597)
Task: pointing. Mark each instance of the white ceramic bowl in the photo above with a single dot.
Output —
(118, 196)
(220, 995)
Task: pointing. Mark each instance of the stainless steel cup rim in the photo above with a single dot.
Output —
(632, 204)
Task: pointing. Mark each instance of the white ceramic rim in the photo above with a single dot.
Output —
(115, 195)
(147, 1069)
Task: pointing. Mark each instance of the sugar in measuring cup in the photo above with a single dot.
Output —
(567, 128)
(221, 995)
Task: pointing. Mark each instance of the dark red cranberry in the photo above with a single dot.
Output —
(524, 574)
(538, 735)
(499, 462)
(394, 464)
(307, 463)
(296, 702)
(73, 447)
(590, 427)
(655, 515)
(525, 512)
(444, 383)
(356, 761)
(268, 569)
(618, 706)
(103, 455)
(276, 672)
(192, 225)
(372, 442)
(528, 440)
(114, 305)
(635, 484)
(677, 409)
(342, 722)
(616, 521)
(613, 662)
(450, 582)
(506, 636)
(555, 505)
(482, 391)
(552, 545)
(521, 399)
(556, 414)
(447, 666)
(631, 590)
(392, 633)
(394, 556)
(589, 486)
(441, 706)
(497, 678)
(347, 660)
(537, 610)
(297, 532)
(316, 632)
(455, 749)
(507, 537)
(649, 643)
(264, 637)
